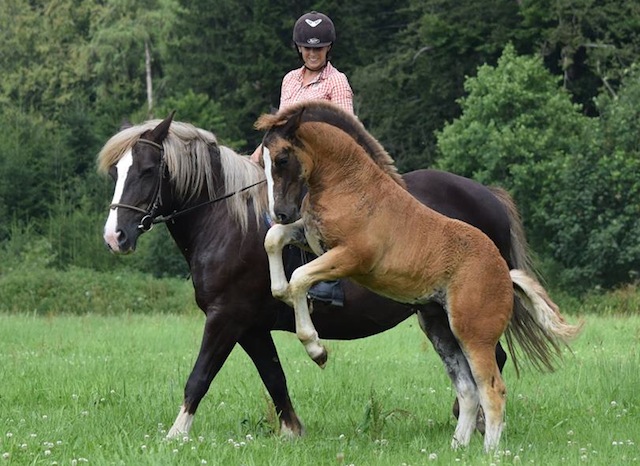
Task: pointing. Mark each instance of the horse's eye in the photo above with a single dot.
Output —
(148, 172)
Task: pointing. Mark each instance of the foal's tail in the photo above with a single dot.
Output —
(537, 325)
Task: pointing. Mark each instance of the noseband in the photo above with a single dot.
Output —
(150, 218)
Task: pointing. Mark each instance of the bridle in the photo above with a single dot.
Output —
(150, 217)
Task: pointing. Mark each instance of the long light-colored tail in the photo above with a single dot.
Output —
(541, 331)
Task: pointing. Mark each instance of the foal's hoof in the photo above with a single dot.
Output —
(321, 359)
(480, 425)
(316, 351)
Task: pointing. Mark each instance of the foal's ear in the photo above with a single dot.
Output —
(293, 123)
(160, 132)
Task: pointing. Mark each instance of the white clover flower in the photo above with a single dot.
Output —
(433, 457)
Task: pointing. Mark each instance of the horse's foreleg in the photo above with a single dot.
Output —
(220, 336)
(259, 345)
(276, 239)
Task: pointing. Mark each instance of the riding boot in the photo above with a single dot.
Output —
(329, 292)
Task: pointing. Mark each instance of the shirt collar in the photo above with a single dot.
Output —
(322, 76)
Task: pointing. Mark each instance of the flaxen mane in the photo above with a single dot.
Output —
(327, 112)
(189, 153)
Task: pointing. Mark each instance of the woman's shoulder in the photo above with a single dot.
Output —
(295, 74)
(335, 75)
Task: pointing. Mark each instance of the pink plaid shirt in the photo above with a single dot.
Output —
(331, 85)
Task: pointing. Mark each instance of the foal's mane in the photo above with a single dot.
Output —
(326, 112)
(189, 153)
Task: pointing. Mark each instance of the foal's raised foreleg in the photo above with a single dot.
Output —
(335, 263)
(277, 238)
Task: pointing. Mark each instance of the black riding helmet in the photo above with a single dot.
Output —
(314, 30)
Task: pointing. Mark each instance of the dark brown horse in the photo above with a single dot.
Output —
(174, 172)
(360, 220)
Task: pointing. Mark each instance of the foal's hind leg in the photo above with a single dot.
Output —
(501, 359)
(435, 324)
(478, 320)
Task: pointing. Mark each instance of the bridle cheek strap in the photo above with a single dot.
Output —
(147, 222)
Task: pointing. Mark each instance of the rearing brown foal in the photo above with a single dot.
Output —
(362, 223)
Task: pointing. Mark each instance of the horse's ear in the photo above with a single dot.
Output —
(125, 124)
(160, 132)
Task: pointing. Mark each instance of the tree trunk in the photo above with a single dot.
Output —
(147, 62)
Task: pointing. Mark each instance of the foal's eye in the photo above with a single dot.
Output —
(281, 160)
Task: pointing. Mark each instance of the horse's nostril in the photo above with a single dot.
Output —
(121, 237)
(281, 218)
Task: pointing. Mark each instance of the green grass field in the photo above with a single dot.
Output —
(104, 390)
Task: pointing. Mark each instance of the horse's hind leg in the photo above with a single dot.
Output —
(259, 345)
(435, 324)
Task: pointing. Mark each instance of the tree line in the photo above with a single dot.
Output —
(540, 97)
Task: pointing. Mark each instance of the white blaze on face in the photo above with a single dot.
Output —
(110, 228)
(266, 157)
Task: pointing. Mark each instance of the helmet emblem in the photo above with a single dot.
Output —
(313, 41)
(313, 23)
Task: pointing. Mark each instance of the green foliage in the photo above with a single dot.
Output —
(159, 256)
(201, 111)
(517, 129)
(34, 165)
(74, 70)
(34, 288)
(406, 95)
(577, 191)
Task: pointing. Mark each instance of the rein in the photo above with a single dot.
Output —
(150, 219)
